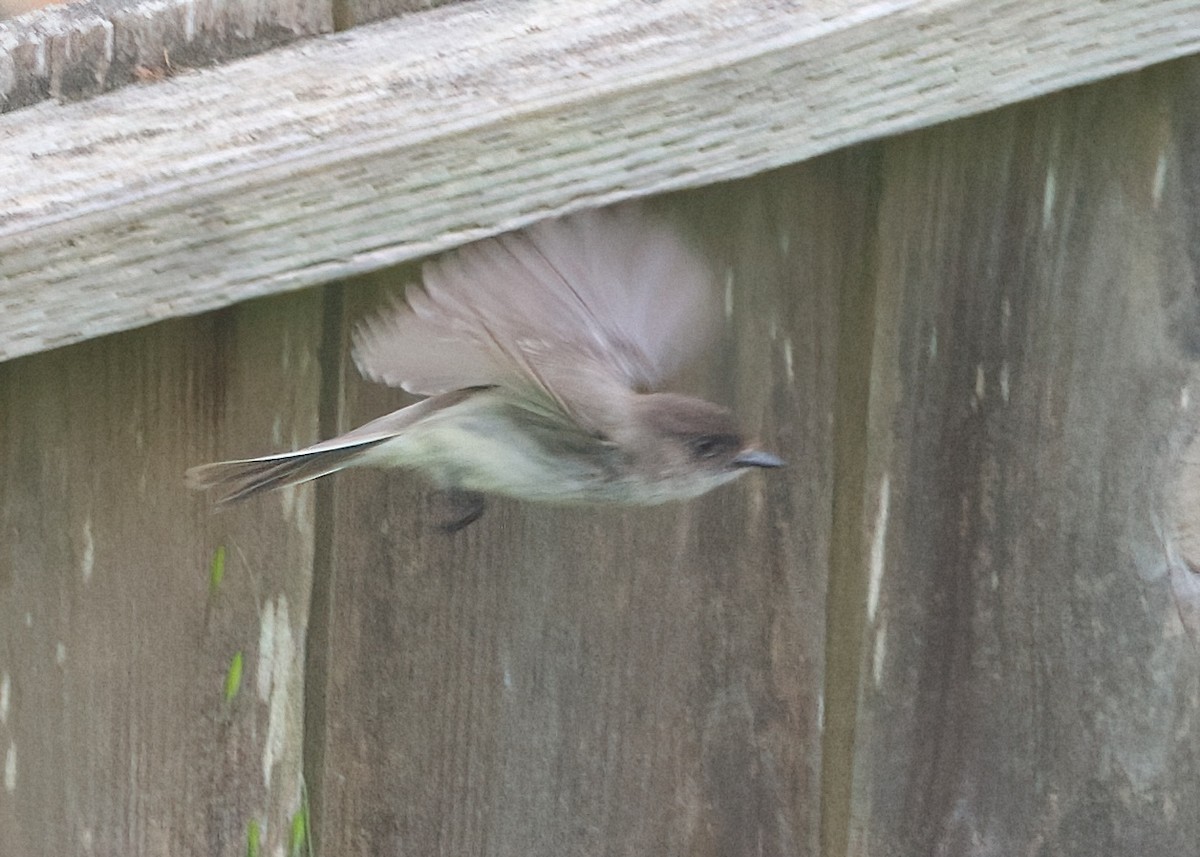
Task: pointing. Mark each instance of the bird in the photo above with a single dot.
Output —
(541, 354)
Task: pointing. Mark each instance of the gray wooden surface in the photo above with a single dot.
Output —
(72, 51)
(342, 155)
(962, 622)
(1029, 683)
(117, 735)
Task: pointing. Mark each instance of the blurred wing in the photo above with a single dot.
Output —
(565, 310)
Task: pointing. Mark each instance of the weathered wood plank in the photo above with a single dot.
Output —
(559, 681)
(354, 13)
(72, 51)
(115, 728)
(343, 155)
(1029, 686)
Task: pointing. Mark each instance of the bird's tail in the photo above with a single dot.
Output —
(237, 480)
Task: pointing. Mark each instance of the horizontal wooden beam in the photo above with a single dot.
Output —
(347, 153)
(69, 50)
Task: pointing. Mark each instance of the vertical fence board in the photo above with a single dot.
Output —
(1029, 687)
(117, 731)
(554, 682)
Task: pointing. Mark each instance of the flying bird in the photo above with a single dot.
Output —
(541, 353)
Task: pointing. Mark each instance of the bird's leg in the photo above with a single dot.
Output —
(463, 509)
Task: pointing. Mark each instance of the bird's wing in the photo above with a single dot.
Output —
(608, 300)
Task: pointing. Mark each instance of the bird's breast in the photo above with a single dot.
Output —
(492, 445)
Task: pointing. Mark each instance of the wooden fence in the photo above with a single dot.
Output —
(965, 620)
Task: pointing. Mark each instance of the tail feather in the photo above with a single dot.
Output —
(237, 480)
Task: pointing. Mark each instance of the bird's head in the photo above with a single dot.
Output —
(690, 445)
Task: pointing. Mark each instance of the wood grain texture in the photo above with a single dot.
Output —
(343, 155)
(1008, 667)
(1030, 685)
(76, 50)
(115, 728)
(556, 681)
(354, 13)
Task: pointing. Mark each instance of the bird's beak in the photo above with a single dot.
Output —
(757, 458)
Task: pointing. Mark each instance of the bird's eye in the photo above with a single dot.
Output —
(710, 446)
